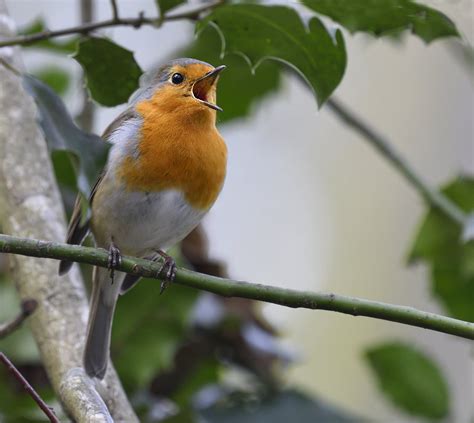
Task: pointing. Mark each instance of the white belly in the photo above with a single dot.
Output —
(141, 222)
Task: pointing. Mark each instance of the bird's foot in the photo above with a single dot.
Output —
(167, 272)
(114, 260)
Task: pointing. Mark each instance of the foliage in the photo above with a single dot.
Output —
(451, 259)
(410, 379)
(167, 5)
(386, 17)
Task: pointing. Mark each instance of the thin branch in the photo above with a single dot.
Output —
(381, 144)
(116, 21)
(27, 308)
(115, 14)
(231, 288)
(48, 411)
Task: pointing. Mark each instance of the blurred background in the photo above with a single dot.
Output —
(309, 205)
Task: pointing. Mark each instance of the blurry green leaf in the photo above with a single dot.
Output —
(38, 25)
(87, 152)
(111, 71)
(278, 33)
(55, 77)
(439, 243)
(238, 89)
(165, 5)
(411, 380)
(283, 407)
(386, 17)
(147, 330)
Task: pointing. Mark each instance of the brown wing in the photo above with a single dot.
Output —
(77, 232)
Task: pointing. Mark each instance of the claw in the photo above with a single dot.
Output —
(167, 272)
(114, 260)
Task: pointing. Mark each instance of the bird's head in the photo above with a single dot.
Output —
(186, 86)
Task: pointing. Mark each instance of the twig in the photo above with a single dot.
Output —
(27, 308)
(48, 411)
(231, 288)
(380, 143)
(115, 14)
(115, 21)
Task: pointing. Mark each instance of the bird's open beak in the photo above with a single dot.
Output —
(202, 88)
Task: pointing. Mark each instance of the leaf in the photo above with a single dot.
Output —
(283, 407)
(411, 380)
(147, 330)
(166, 5)
(87, 152)
(278, 33)
(386, 17)
(38, 25)
(239, 89)
(55, 77)
(439, 242)
(111, 71)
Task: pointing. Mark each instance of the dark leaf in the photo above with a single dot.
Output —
(278, 33)
(87, 152)
(386, 17)
(411, 380)
(165, 5)
(111, 71)
(439, 242)
(283, 407)
(38, 25)
(239, 90)
(55, 77)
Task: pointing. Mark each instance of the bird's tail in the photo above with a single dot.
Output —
(99, 330)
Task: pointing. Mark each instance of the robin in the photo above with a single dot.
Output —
(165, 169)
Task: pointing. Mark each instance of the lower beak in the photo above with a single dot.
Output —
(202, 87)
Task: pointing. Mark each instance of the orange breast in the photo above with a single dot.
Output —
(180, 148)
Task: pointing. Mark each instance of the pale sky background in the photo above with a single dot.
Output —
(309, 205)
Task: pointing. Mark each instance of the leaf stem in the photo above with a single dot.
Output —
(86, 28)
(48, 411)
(382, 145)
(230, 288)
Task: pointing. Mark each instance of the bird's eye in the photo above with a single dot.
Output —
(177, 78)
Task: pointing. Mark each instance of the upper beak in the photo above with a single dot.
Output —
(203, 85)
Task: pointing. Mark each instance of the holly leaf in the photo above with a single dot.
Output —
(239, 89)
(38, 25)
(409, 379)
(87, 152)
(278, 33)
(111, 71)
(386, 17)
(440, 244)
(166, 5)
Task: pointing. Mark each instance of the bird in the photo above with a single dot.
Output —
(165, 169)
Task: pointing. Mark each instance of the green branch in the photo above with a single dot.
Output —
(382, 145)
(230, 288)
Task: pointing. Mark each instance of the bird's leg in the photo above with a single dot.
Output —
(168, 271)
(114, 260)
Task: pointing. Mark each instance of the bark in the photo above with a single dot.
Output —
(30, 206)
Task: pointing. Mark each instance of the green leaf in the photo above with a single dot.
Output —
(147, 330)
(55, 77)
(87, 152)
(111, 71)
(239, 89)
(282, 407)
(439, 243)
(38, 25)
(410, 379)
(166, 5)
(278, 33)
(386, 17)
